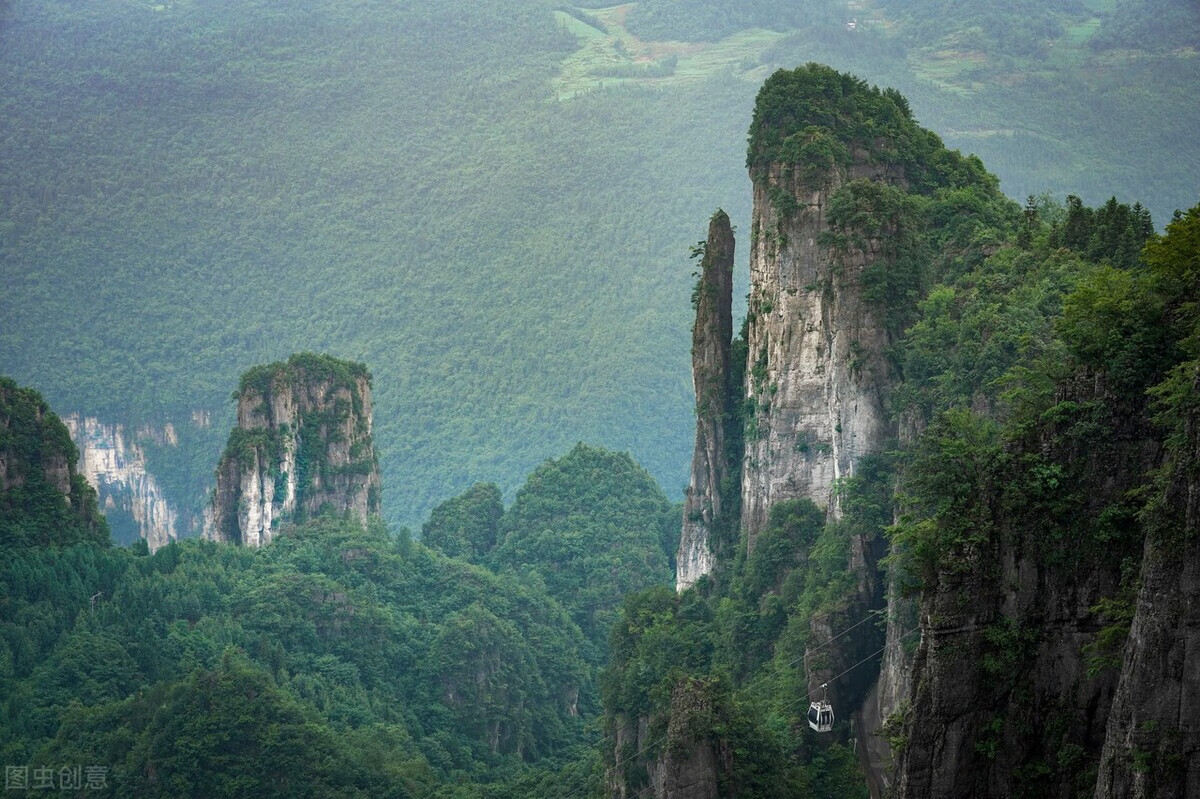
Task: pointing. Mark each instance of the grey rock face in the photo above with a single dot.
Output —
(816, 383)
(688, 766)
(816, 374)
(115, 465)
(889, 693)
(1152, 748)
(712, 336)
(302, 445)
(1006, 700)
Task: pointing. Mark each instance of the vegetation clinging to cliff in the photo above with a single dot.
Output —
(1024, 344)
(313, 367)
(325, 393)
(1032, 369)
(813, 117)
(38, 507)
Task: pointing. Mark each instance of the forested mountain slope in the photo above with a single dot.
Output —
(43, 499)
(960, 494)
(331, 659)
(336, 661)
(1011, 422)
(443, 189)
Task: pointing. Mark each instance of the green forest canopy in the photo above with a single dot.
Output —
(190, 189)
(338, 660)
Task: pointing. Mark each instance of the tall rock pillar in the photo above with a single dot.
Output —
(816, 374)
(712, 337)
(302, 445)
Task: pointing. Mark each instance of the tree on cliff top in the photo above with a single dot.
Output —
(38, 459)
(845, 114)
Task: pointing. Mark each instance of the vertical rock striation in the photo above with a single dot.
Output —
(827, 222)
(115, 465)
(1009, 697)
(712, 337)
(842, 247)
(684, 761)
(816, 377)
(1152, 748)
(841, 252)
(302, 445)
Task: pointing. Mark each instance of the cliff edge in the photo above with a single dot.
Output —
(709, 492)
(43, 499)
(302, 445)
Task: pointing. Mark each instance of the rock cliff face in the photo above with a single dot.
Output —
(1051, 533)
(43, 499)
(687, 765)
(712, 337)
(302, 445)
(816, 376)
(816, 386)
(1152, 748)
(812, 403)
(115, 465)
(1010, 697)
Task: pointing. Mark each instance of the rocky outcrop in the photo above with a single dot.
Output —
(712, 336)
(842, 250)
(43, 499)
(684, 762)
(115, 465)
(1152, 747)
(816, 377)
(1010, 695)
(302, 445)
(32, 444)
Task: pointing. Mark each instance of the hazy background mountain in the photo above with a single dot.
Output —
(491, 203)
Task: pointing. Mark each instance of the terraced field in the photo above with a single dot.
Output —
(610, 55)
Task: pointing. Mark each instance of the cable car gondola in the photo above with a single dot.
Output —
(820, 713)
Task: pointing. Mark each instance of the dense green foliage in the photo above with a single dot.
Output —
(466, 526)
(42, 500)
(1025, 343)
(815, 117)
(594, 526)
(304, 368)
(353, 662)
(1058, 345)
(397, 183)
(747, 633)
(337, 661)
(198, 187)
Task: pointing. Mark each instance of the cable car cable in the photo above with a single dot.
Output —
(807, 694)
(757, 681)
